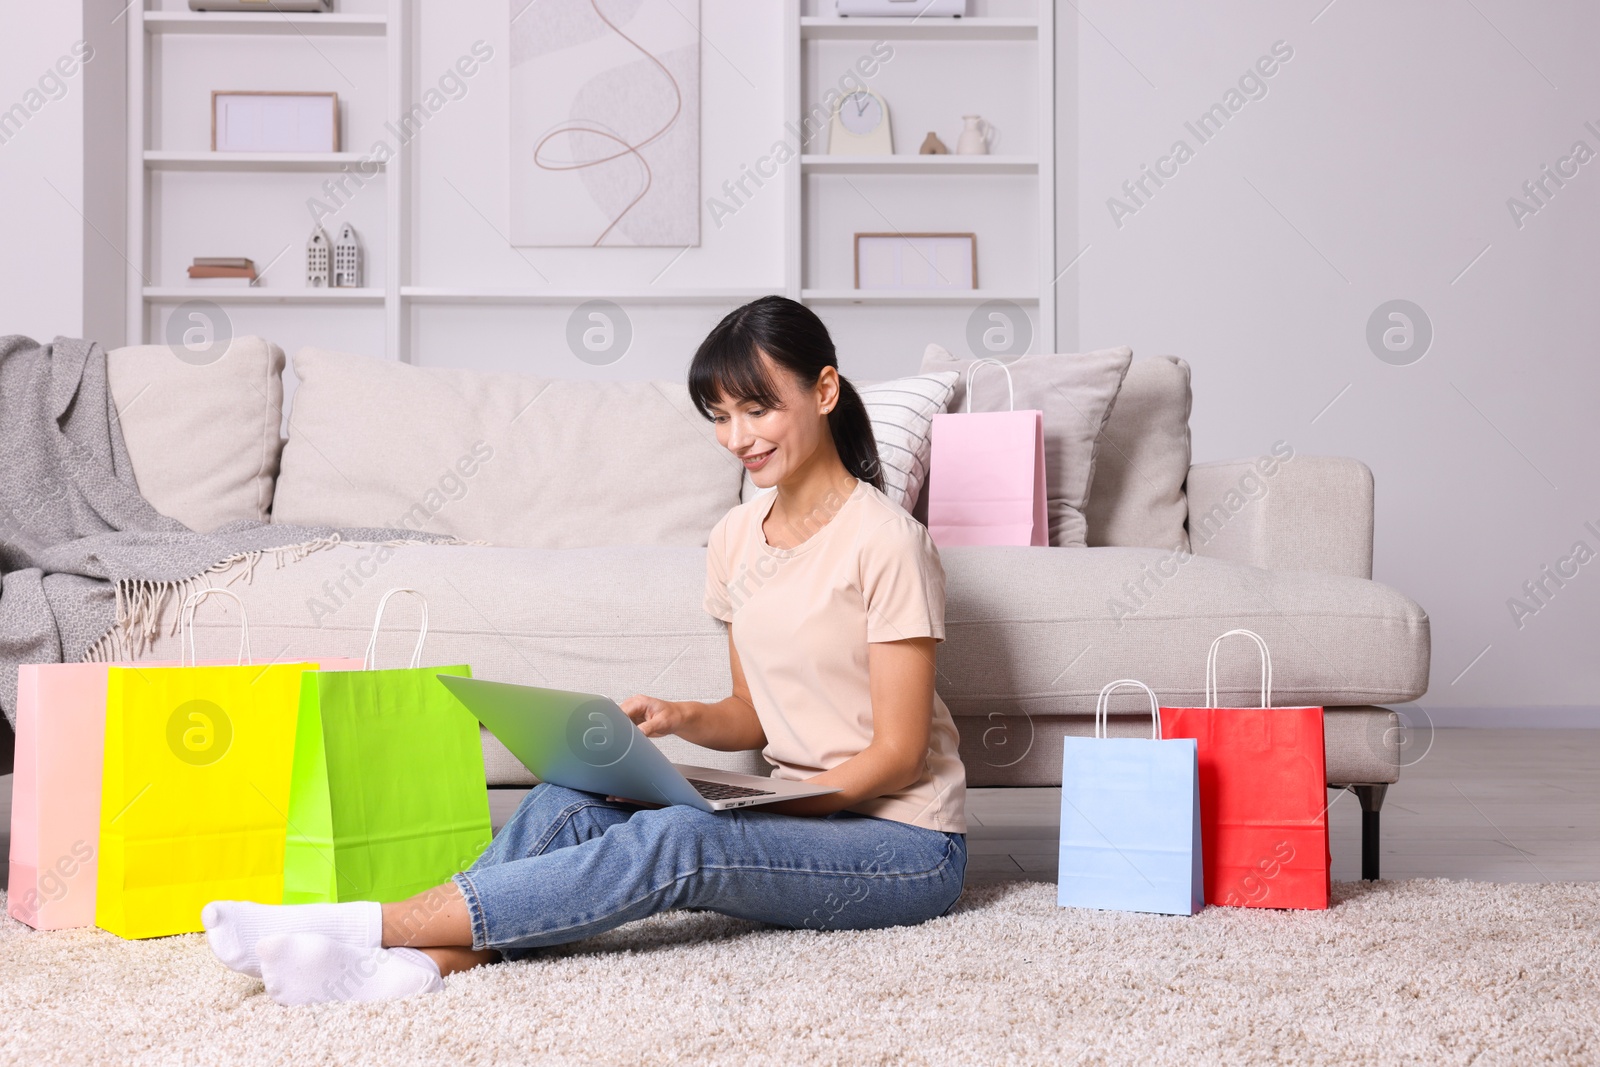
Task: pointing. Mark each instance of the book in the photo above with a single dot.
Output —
(224, 261)
(242, 283)
(222, 272)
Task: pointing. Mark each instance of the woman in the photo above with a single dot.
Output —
(835, 599)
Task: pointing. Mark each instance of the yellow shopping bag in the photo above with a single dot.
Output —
(195, 787)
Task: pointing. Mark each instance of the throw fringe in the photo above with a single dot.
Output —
(141, 603)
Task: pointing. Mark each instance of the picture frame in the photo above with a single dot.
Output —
(265, 121)
(916, 261)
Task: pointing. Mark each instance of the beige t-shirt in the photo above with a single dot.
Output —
(802, 618)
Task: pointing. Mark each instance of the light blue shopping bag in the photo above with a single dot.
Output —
(1130, 819)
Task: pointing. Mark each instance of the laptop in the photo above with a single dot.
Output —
(586, 742)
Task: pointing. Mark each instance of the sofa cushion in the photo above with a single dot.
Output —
(1137, 498)
(203, 437)
(1075, 392)
(1042, 631)
(503, 458)
(1282, 511)
(1030, 632)
(901, 411)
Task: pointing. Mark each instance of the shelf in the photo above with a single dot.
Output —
(1025, 42)
(256, 161)
(251, 23)
(909, 164)
(432, 295)
(912, 296)
(818, 27)
(263, 295)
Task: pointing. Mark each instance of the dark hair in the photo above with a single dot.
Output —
(728, 364)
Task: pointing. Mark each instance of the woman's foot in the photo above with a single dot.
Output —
(313, 969)
(235, 928)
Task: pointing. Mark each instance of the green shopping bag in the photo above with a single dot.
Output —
(387, 796)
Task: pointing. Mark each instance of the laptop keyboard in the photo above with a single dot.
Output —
(723, 791)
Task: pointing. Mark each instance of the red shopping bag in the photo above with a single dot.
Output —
(986, 475)
(1263, 796)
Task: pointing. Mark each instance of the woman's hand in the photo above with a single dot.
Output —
(728, 725)
(655, 717)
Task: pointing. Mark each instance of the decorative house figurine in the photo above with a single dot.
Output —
(347, 258)
(317, 275)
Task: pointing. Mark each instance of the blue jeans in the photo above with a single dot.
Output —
(570, 865)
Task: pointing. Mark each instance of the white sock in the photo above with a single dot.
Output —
(235, 927)
(311, 969)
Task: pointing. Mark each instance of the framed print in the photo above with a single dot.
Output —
(274, 122)
(605, 124)
(916, 261)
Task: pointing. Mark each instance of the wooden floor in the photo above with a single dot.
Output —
(1485, 805)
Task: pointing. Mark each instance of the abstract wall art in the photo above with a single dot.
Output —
(605, 123)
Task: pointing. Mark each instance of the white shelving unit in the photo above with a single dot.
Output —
(329, 25)
(253, 162)
(663, 296)
(905, 191)
(890, 297)
(183, 199)
(970, 28)
(904, 164)
(254, 295)
(148, 288)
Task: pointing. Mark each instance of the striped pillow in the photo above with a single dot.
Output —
(902, 412)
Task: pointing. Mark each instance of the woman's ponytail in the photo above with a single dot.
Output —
(853, 437)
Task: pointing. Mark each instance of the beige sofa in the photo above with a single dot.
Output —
(589, 503)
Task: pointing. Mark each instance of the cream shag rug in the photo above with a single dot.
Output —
(1427, 972)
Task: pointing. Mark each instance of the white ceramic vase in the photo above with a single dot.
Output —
(975, 136)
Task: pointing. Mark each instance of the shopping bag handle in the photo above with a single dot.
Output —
(186, 655)
(1102, 707)
(1011, 396)
(370, 661)
(1266, 668)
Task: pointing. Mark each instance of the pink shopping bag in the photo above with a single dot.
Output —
(986, 475)
(55, 799)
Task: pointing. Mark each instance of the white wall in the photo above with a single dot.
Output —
(61, 170)
(1378, 166)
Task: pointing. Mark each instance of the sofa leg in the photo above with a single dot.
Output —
(1371, 797)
